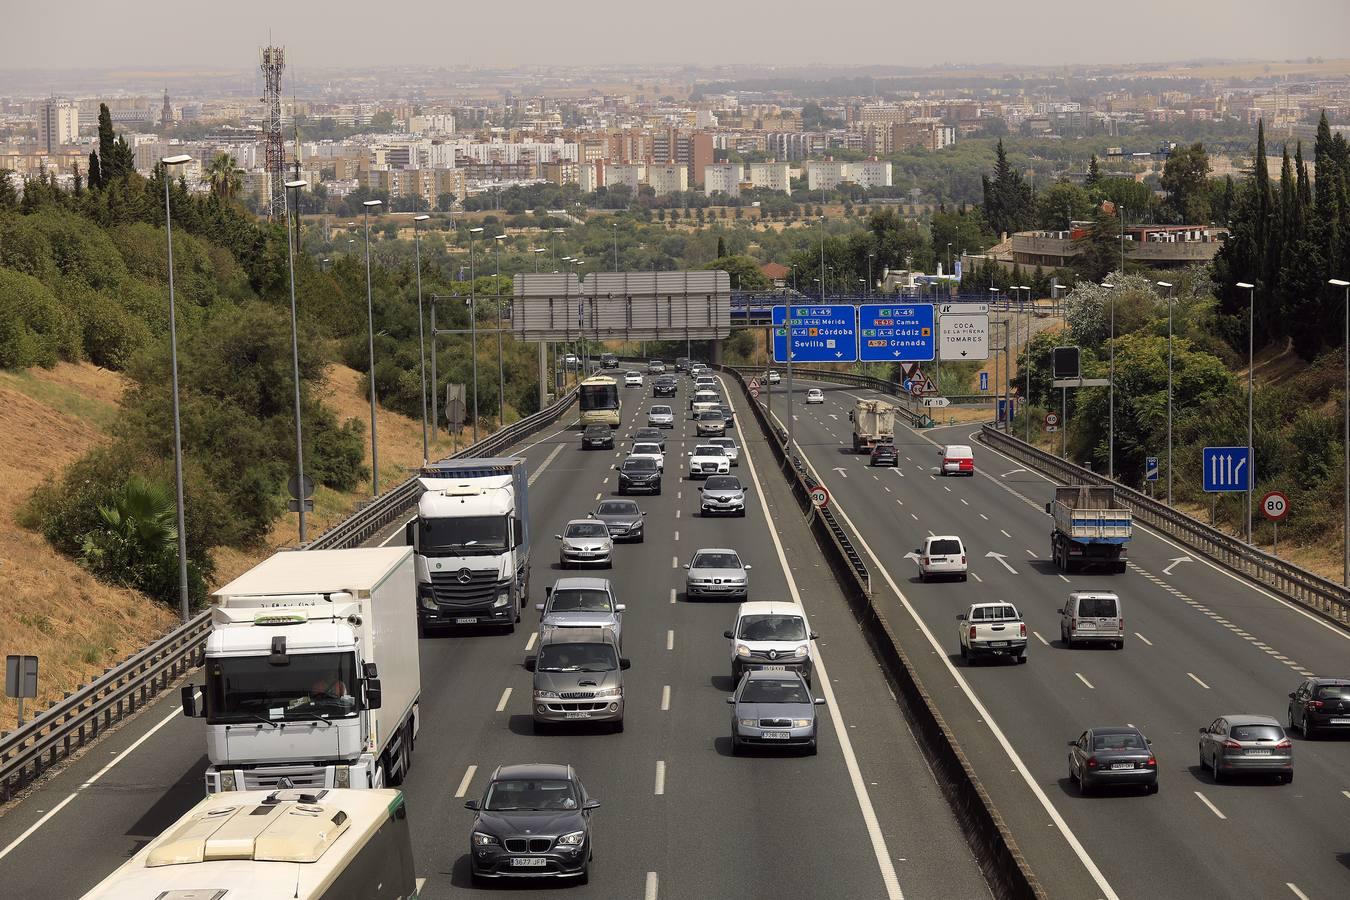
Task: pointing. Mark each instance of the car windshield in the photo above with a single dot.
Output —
(586, 530)
(577, 658)
(647, 448)
(715, 561)
(772, 628)
(815, 392)
(710, 415)
(617, 508)
(1256, 733)
(944, 548)
(522, 794)
(774, 691)
(596, 431)
(728, 443)
(639, 465)
(648, 434)
(1096, 607)
(708, 450)
(463, 537)
(1334, 692)
(661, 410)
(580, 600)
(722, 483)
(1117, 741)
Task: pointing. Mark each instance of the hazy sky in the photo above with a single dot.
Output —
(99, 34)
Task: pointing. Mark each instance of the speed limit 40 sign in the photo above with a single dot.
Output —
(1275, 506)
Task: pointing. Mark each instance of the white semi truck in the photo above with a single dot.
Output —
(312, 676)
(472, 540)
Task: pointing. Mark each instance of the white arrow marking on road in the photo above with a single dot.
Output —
(833, 416)
(1013, 472)
(1179, 559)
(1003, 559)
(912, 555)
(840, 470)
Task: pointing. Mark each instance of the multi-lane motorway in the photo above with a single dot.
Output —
(1200, 643)
(681, 816)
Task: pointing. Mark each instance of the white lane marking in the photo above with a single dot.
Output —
(660, 777)
(869, 815)
(534, 476)
(1082, 679)
(92, 780)
(1294, 888)
(672, 595)
(977, 577)
(543, 440)
(1197, 680)
(674, 562)
(1013, 472)
(653, 886)
(605, 480)
(1002, 559)
(597, 496)
(501, 704)
(1031, 553)
(914, 517)
(1041, 639)
(529, 645)
(679, 495)
(670, 639)
(677, 513)
(464, 782)
(1064, 579)
(983, 516)
(1005, 534)
(1108, 893)
(665, 698)
(964, 502)
(1212, 808)
(1144, 639)
(1347, 794)
(421, 883)
(677, 535)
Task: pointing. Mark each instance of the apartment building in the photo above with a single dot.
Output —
(794, 145)
(828, 174)
(772, 176)
(58, 124)
(631, 174)
(562, 171)
(724, 178)
(920, 134)
(668, 178)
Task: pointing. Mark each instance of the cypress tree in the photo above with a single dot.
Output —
(1094, 174)
(105, 139)
(95, 176)
(1303, 192)
(1267, 248)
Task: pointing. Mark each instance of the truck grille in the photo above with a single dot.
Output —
(450, 590)
(269, 778)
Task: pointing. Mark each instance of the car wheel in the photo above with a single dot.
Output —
(476, 879)
(1084, 785)
(963, 576)
(963, 651)
(735, 746)
(1151, 788)
(741, 514)
(1068, 640)
(1022, 657)
(1309, 731)
(811, 747)
(642, 537)
(923, 577)
(1120, 644)
(1214, 769)
(1287, 778)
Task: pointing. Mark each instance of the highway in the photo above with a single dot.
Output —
(680, 817)
(1200, 643)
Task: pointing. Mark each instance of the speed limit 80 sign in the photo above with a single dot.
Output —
(1275, 506)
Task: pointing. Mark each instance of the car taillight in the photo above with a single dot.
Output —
(1284, 744)
(947, 462)
(1151, 762)
(1315, 704)
(1024, 629)
(1121, 628)
(924, 560)
(971, 635)
(963, 560)
(1232, 745)
(967, 464)
(1073, 623)
(1092, 762)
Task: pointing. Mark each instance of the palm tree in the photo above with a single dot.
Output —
(223, 176)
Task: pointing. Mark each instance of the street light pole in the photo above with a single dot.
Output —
(370, 333)
(1027, 353)
(615, 226)
(1345, 444)
(421, 337)
(295, 358)
(177, 421)
(1251, 392)
(1168, 287)
(473, 328)
(1111, 432)
(822, 260)
(501, 371)
(869, 273)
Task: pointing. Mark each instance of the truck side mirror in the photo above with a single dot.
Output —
(727, 635)
(620, 607)
(529, 663)
(548, 591)
(1047, 509)
(374, 694)
(410, 533)
(370, 670)
(960, 617)
(193, 711)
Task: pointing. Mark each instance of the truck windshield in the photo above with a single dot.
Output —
(312, 685)
(481, 535)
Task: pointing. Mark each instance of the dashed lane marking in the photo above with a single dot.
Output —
(464, 782)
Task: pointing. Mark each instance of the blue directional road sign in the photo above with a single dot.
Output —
(1151, 468)
(896, 333)
(984, 381)
(1226, 469)
(820, 333)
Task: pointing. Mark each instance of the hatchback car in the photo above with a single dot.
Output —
(1319, 706)
(639, 474)
(596, 437)
(661, 417)
(942, 556)
(710, 422)
(578, 677)
(609, 361)
(1092, 617)
(632, 379)
(656, 367)
(957, 459)
(815, 395)
(722, 494)
(716, 573)
(728, 445)
(623, 518)
(585, 542)
(533, 821)
(665, 386)
(773, 377)
(770, 635)
(581, 603)
(1236, 744)
(650, 451)
(1108, 757)
(650, 435)
(885, 455)
(773, 709)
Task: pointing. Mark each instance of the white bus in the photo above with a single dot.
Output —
(341, 844)
(599, 401)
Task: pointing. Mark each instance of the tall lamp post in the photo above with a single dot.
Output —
(296, 186)
(370, 333)
(1168, 288)
(822, 257)
(1345, 402)
(1111, 428)
(870, 257)
(993, 291)
(501, 372)
(1027, 353)
(1251, 392)
(421, 337)
(615, 226)
(177, 422)
(473, 328)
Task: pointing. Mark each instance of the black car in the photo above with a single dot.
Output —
(623, 518)
(597, 436)
(1320, 705)
(650, 436)
(609, 361)
(639, 475)
(1109, 757)
(885, 455)
(534, 821)
(665, 386)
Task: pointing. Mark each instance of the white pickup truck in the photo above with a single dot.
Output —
(992, 629)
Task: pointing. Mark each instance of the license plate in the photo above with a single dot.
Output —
(776, 735)
(1087, 626)
(774, 668)
(577, 715)
(466, 621)
(1340, 721)
(527, 863)
(1258, 752)
(998, 643)
(1125, 765)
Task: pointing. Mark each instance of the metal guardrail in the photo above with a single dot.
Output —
(1308, 589)
(81, 716)
(880, 385)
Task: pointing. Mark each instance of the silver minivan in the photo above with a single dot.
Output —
(1092, 617)
(578, 677)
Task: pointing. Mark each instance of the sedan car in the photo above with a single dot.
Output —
(710, 421)
(728, 445)
(885, 455)
(595, 437)
(585, 542)
(650, 435)
(623, 518)
(661, 417)
(656, 367)
(1319, 706)
(717, 573)
(533, 821)
(581, 603)
(1231, 745)
(708, 459)
(722, 494)
(665, 386)
(815, 395)
(1107, 757)
(632, 379)
(649, 451)
(773, 377)
(639, 474)
(773, 709)
(942, 556)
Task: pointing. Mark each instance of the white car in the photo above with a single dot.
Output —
(632, 379)
(815, 395)
(728, 445)
(773, 377)
(656, 367)
(708, 459)
(697, 369)
(770, 635)
(705, 383)
(942, 556)
(649, 451)
(661, 417)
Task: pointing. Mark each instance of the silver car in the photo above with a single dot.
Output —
(661, 417)
(711, 421)
(1107, 757)
(578, 678)
(722, 494)
(581, 603)
(1231, 745)
(717, 573)
(773, 709)
(728, 445)
(585, 542)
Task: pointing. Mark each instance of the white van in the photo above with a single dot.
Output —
(770, 635)
(1092, 617)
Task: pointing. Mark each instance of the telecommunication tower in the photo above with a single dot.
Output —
(272, 65)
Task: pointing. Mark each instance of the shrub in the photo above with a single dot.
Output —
(35, 329)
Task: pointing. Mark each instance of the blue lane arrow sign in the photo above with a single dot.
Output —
(1151, 468)
(984, 381)
(1226, 469)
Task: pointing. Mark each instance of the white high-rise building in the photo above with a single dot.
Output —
(58, 124)
(723, 177)
(871, 173)
(826, 175)
(668, 178)
(773, 176)
(631, 174)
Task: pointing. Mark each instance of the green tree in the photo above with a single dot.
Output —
(1007, 198)
(136, 542)
(744, 271)
(1185, 178)
(1094, 173)
(106, 138)
(1061, 204)
(9, 197)
(1098, 248)
(222, 174)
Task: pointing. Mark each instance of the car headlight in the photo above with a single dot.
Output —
(801, 723)
(503, 598)
(545, 695)
(572, 840)
(609, 692)
(803, 650)
(342, 776)
(742, 650)
(227, 781)
(747, 723)
(482, 839)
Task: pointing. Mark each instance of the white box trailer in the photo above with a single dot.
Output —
(312, 677)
